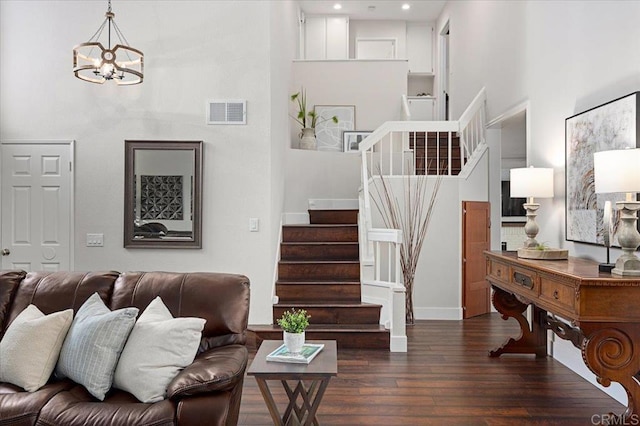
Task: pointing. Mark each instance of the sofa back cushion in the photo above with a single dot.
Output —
(57, 291)
(9, 282)
(221, 299)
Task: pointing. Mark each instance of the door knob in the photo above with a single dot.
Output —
(6, 252)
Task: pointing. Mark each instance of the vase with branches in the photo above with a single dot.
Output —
(308, 119)
(412, 216)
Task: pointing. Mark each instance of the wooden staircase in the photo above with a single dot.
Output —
(437, 153)
(319, 270)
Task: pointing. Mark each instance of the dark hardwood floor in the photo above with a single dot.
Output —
(446, 378)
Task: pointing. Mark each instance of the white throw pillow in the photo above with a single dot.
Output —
(30, 347)
(95, 340)
(159, 346)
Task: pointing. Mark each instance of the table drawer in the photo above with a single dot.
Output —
(499, 270)
(559, 294)
(525, 280)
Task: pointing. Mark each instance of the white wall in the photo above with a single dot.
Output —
(374, 87)
(379, 29)
(564, 57)
(436, 285)
(320, 174)
(194, 51)
(284, 48)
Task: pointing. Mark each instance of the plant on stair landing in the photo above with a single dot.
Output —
(294, 323)
(308, 119)
(412, 217)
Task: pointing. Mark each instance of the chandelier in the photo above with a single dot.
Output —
(121, 63)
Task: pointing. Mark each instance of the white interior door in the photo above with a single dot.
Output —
(36, 205)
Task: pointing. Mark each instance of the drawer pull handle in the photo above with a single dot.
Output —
(499, 272)
(523, 280)
(556, 295)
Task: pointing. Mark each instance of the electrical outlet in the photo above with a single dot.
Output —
(95, 240)
(253, 224)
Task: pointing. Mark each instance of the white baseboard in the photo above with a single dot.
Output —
(437, 313)
(295, 218)
(398, 344)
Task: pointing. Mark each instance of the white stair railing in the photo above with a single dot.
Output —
(386, 287)
(393, 150)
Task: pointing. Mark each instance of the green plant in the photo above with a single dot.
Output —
(294, 321)
(306, 118)
(542, 246)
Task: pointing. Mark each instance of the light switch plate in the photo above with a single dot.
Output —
(253, 224)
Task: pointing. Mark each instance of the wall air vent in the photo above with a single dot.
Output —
(227, 111)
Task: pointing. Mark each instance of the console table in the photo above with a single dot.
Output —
(602, 313)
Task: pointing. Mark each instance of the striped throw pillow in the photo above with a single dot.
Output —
(93, 345)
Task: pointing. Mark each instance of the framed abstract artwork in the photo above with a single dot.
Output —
(351, 139)
(328, 133)
(610, 126)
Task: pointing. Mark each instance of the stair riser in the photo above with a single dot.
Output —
(312, 293)
(455, 164)
(324, 234)
(345, 340)
(433, 152)
(363, 314)
(333, 216)
(319, 271)
(320, 252)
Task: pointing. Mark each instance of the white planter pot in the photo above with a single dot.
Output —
(308, 139)
(294, 341)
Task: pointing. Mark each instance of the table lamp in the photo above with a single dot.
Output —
(618, 171)
(530, 182)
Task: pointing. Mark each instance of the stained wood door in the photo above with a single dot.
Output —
(476, 238)
(37, 205)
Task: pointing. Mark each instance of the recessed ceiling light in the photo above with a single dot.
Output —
(337, 6)
(406, 6)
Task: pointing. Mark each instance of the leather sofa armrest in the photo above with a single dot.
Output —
(217, 369)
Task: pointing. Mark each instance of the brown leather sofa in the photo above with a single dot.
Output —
(207, 392)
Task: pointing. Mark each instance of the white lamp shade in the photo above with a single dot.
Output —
(617, 171)
(531, 182)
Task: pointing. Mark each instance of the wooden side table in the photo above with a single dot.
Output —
(319, 371)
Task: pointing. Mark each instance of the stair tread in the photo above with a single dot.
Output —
(333, 304)
(322, 225)
(296, 262)
(318, 282)
(351, 328)
(320, 243)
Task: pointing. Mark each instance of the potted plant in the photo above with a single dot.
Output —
(294, 323)
(308, 120)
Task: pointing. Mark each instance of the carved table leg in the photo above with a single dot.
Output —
(531, 340)
(612, 353)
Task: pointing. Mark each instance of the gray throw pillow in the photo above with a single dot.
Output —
(93, 345)
(158, 348)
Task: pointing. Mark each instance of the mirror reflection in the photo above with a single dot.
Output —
(162, 190)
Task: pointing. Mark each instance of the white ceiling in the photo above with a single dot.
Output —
(421, 10)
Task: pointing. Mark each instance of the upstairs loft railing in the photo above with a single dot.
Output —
(409, 148)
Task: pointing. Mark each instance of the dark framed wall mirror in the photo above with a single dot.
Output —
(163, 194)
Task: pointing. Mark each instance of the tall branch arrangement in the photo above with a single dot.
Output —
(412, 217)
